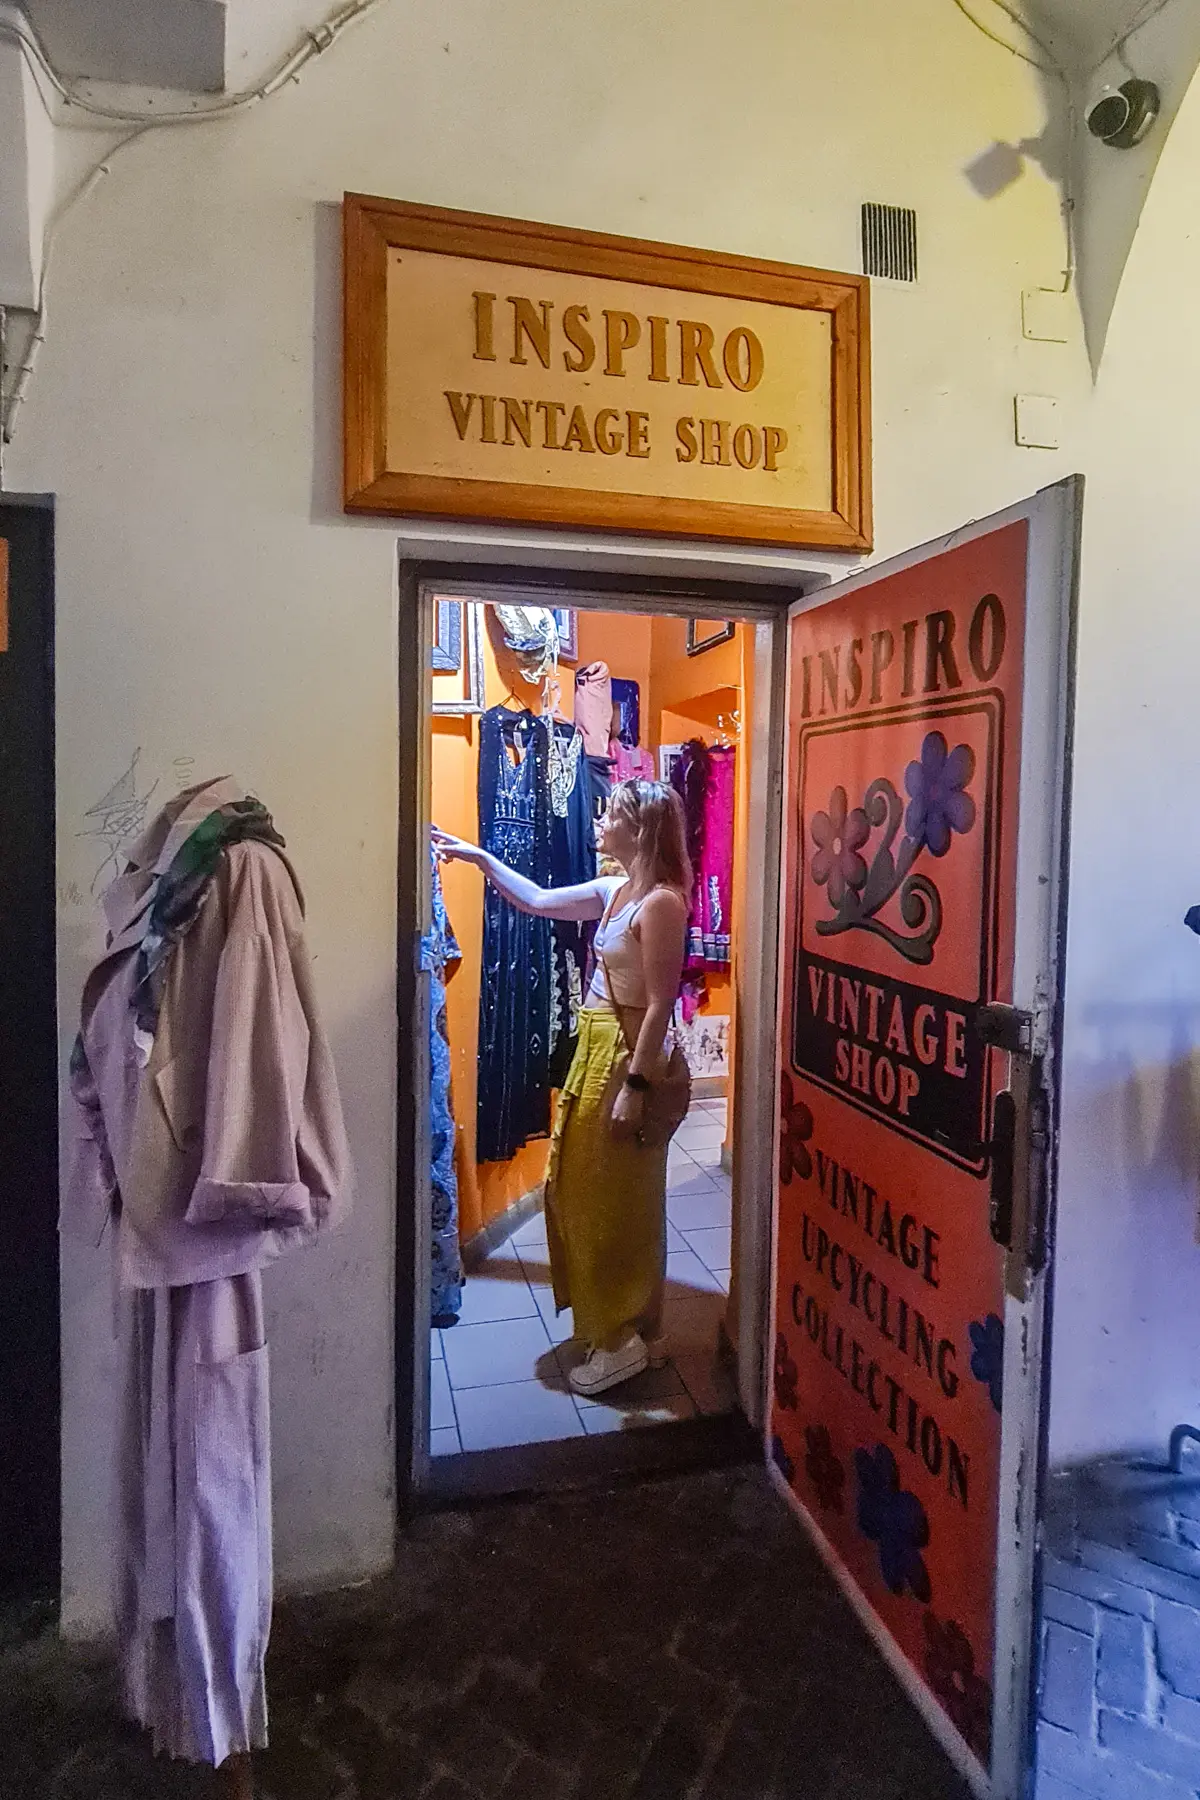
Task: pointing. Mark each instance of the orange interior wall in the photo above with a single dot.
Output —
(681, 697)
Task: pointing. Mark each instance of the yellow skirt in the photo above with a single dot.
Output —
(606, 1203)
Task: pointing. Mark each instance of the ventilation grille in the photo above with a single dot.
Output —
(889, 241)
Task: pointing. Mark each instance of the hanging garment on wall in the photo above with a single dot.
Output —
(439, 953)
(630, 764)
(517, 978)
(626, 702)
(572, 859)
(531, 632)
(593, 707)
(704, 777)
(600, 779)
(210, 1140)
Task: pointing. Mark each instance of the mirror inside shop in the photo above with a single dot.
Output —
(588, 805)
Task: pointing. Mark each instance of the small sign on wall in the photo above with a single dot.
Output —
(505, 370)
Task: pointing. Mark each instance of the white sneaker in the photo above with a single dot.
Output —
(607, 1368)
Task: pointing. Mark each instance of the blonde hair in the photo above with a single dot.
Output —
(654, 813)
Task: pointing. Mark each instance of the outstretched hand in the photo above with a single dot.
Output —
(448, 848)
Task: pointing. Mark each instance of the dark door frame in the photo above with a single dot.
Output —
(30, 1387)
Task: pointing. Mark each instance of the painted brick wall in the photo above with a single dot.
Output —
(1119, 1693)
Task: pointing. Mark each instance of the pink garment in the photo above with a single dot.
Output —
(227, 1145)
(212, 1148)
(629, 765)
(593, 707)
(193, 1550)
(712, 895)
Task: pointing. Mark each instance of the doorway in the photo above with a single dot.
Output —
(695, 673)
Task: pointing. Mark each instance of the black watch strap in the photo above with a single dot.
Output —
(639, 1083)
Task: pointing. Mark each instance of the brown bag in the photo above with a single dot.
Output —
(665, 1102)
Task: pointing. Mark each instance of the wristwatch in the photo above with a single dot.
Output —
(639, 1083)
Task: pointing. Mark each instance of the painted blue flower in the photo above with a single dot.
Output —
(939, 804)
(782, 1460)
(987, 1355)
(895, 1520)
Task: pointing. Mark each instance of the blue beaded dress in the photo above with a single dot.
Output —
(439, 954)
(517, 985)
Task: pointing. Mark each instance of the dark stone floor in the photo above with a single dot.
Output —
(674, 1640)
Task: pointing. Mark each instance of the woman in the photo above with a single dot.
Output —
(606, 1191)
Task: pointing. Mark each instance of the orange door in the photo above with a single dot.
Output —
(923, 883)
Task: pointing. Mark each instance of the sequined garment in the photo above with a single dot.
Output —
(439, 952)
(572, 859)
(517, 984)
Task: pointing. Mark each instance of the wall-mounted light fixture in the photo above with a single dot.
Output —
(1122, 116)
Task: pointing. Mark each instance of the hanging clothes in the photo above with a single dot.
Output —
(704, 778)
(572, 859)
(600, 777)
(517, 980)
(630, 764)
(594, 706)
(439, 953)
(626, 704)
(209, 1141)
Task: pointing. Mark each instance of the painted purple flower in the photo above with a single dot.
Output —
(839, 835)
(939, 804)
(823, 1469)
(795, 1129)
(786, 1374)
(895, 1520)
(966, 1696)
(987, 1355)
(782, 1460)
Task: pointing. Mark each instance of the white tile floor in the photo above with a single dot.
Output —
(498, 1377)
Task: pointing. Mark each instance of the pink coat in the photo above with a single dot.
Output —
(224, 1137)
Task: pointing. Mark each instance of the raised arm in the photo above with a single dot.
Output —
(584, 901)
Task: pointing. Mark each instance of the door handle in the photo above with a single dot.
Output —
(1018, 1147)
(1001, 1150)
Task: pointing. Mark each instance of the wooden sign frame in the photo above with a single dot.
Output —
(374, 227)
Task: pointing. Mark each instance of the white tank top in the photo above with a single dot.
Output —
(622, 954)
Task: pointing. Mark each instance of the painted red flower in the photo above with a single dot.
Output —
(839, 835)
(823, 1469)
(795, 1129)
(966, 1696)
(787, 1376)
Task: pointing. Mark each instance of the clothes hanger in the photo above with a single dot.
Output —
(552, 700)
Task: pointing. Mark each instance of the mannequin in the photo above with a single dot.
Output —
(209, 1141)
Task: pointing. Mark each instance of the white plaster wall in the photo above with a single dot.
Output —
(215, 606)
(1126, 1363)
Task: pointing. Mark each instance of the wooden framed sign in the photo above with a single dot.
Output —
(496, 369)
